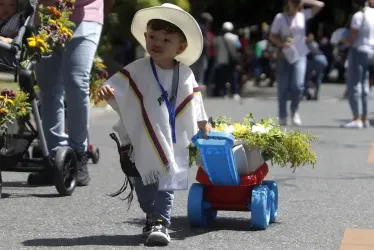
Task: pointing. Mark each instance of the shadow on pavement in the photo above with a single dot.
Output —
(318, 127)
(181, 230)
(97, 240)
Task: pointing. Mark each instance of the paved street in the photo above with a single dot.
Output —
(315, 205)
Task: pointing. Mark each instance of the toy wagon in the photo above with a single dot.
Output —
(221, 188)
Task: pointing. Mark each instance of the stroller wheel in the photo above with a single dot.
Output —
(65, 171)
(96, 156)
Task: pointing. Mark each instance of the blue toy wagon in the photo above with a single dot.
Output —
(221, 188)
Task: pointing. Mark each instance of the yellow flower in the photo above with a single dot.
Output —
(240, 128)
(60, 24)
(100, 65)
(70, 36)
(9, 102)
(2, 98)
(52, 21)
(41, 43)
(64, 30)
(4, 111)
(221, 127)
(42, 49)
(31, 42)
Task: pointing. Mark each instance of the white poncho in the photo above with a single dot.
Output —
(145, 121)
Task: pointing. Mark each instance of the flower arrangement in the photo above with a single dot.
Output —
(12, 106)
(53, 32)
(98, 76)
(282, 147)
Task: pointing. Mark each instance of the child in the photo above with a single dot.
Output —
(10, 20)
(160, 119)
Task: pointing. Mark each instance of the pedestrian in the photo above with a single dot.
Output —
(317, 63)
(160, 107)
(288, 34)
(69, 72)
(227, 61)
(360, 58)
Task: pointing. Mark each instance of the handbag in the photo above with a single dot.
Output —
(233, 59)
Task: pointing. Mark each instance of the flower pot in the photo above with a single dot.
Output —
(254, 160)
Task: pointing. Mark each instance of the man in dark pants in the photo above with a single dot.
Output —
(227, 46)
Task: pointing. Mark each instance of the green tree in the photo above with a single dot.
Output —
(118, 24)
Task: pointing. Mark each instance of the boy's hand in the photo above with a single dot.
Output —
(106, 92)
(204, 127)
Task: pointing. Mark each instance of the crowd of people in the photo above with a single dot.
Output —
(298, 64)
(157, 89)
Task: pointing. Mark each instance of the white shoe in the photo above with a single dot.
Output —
(237, 98)
(296, 120)
(354, 124)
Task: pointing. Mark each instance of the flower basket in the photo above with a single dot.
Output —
(53, 32)
(12, 106)
(264, 141)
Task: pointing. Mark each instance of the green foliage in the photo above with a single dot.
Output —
(282, 147)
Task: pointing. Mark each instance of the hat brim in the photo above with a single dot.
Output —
(178, 17)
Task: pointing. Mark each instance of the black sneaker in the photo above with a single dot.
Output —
(159, 235)
(83, 176)
(147, 229)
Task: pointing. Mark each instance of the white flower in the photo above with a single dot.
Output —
(261, 129)
(230, 129)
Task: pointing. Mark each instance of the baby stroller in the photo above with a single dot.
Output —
(14, 147)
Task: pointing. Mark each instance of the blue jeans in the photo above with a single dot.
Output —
(318, 64)
(157, 205)
(68, 71)
(358, 87)
(290, 80)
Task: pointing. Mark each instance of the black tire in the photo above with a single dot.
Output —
(96, 156)
(1, 185)
(65, 171)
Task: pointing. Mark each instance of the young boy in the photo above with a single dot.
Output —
(160, 109)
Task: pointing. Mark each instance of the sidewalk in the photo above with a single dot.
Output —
(5, 77)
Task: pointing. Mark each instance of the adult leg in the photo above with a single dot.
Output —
(321, 64)
(354, 88)
(76, 68)
(297, 88)
(282, 77)
(365, 97)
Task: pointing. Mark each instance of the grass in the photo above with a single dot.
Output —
(9, 85)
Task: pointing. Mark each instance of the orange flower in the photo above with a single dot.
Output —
(55, 12)
(4, 111)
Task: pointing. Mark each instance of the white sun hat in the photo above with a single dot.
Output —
(228, 26)
(180, 18)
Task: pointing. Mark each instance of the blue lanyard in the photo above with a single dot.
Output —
(171, 107)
